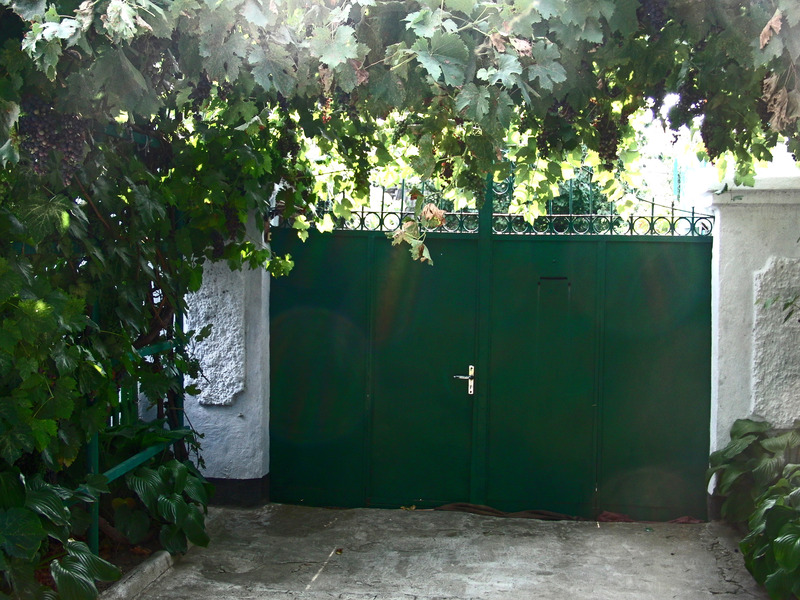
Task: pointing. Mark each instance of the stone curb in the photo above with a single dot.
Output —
(134, 582)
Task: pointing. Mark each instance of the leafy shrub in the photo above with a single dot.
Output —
(759, 477)
(772, 548)
(752, 462)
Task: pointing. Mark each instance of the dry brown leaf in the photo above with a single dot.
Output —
(523, 47)
(326, 77)
(433, 215)
(362, 75)
(773, 26)
(783, 105)
(497, 41)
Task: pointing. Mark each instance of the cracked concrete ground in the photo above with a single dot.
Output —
(296, 552)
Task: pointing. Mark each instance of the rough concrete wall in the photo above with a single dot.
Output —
(752, 225)
(776, 344)
(233, 409)
(220, 302)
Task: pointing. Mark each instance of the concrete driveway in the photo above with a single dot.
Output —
(287, 552)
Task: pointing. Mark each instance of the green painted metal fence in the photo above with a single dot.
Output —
(591, 358)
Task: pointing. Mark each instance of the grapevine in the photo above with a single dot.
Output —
(46, 133)
(652, 14)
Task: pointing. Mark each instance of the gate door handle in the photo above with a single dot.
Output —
(470, 379)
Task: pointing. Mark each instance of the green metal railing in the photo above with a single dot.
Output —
(128, 414)
(391, 206)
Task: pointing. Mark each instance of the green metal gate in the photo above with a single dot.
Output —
(591, 358)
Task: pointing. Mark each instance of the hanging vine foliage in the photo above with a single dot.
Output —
(138, 139)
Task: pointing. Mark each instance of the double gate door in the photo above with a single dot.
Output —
(562, 374)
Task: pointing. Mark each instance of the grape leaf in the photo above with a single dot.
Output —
(444, 55)
(337, 49)
(29, 9)
(473, 101)
(272, 69)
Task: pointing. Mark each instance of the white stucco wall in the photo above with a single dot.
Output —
(755, 228)
(233, 409)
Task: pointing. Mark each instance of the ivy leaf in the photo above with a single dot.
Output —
(273, 69)
(546, 69)
(444, 55)
(508, 66)
(21, 533)
(473, 101)
(424, 23)
(337, 49)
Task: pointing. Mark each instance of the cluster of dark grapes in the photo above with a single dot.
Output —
(690, 103)
(548, 138)
(608, 132)
(44, 132)
(714, 136)
(652, 14)
(201, 92)
(762, 108)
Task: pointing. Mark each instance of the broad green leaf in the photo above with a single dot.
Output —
(473, 102)
(743, 427)
(194, 527)
(273, 69)
(424, 23)
(173, 508)
(336, 49)
(787, 547)
(48, 504)
(196, 490)
(96, 567)
(21, 532)
(508, 67)
(148, 485)
(444, 56)
(779, 583)
(72, 579)
(255, 13)
(178, 472)
(173, 539)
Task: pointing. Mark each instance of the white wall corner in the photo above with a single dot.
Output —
(776, 344)
(232, 411)
(752, 225)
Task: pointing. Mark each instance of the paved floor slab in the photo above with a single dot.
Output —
(290, 552)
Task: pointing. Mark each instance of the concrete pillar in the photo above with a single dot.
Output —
(755, 359)
(232, 411)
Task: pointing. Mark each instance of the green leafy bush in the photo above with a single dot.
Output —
(752, 462)
(772, 548)
(759, 477)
